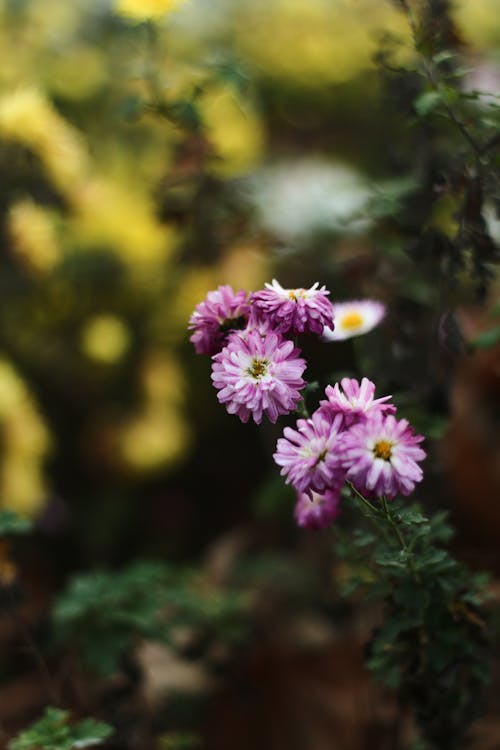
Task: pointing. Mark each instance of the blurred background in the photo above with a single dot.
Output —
(149, 152)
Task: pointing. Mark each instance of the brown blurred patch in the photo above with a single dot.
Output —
(471, 449)
(291, 694)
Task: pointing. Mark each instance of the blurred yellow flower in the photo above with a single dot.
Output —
(25, 445)
(156, 436)
(46, 20)
(105, 338)
(142, 10)
(162, 380)
(316, 42)
(478, 22)
(78, 75)
(153, 440)
(12, 390)
(29, 118)
(23, 485)
(31, 230)
(122, 217)
(245, 266)
(194, 287)
(234, 131)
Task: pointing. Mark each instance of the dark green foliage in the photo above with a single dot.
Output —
(104, 612)
(54, 732)
(390, 196)
(432, 643)
(470, 169)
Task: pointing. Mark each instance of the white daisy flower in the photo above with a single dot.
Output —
(354, 318)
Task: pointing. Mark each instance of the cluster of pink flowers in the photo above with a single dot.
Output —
(256, 367)
(257, 370)
(353, 437)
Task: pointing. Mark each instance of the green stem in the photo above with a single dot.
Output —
(404, 547)
(378, 518)
(373, 514)
(390, 518)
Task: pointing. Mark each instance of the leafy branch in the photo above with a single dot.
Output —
(103, 613)
(432, 643)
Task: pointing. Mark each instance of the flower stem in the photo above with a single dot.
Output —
(373, 514)
(390, 519)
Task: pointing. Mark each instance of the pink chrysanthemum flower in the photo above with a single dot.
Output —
(311, 455)
(258, 375)
(221, 311)
(317, 511)
(294, 311)
(354, 400)
(256, 322)
(354, 319)
(381, 456)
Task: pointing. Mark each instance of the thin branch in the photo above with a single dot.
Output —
(430, 73)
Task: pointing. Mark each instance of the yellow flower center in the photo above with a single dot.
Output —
(352, 320)
(383, 449)
(258, 368)
(321, 457)
(294, 293)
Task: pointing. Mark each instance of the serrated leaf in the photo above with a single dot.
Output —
(414, 517)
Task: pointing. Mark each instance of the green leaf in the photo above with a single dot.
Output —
(363, 538)
(186, 114)
(311, 387)
(389, 196)
(443, 56)
(392, 560)
(411, 517)
(90, 732)
(487, 339)
(427, 102)
(11, 523)
(54, 732)
(104, 612)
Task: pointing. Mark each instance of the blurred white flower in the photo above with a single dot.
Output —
(354, 318)
(295, 199)
(484, 80)
(492, 219)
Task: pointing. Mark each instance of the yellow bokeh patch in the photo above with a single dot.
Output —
(234, 131)
(25, 446)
